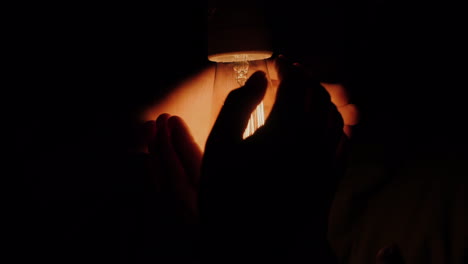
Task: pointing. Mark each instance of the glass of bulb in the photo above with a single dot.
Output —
(232, 71)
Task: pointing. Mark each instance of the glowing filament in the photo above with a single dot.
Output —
(257, 118)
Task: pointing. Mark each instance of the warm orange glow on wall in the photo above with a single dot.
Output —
(192, 100)
(349, 111)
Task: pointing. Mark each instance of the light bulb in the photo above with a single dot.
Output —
(239, 43)
(257, 118)
(232, 73)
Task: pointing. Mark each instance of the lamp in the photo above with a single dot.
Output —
(239, 44)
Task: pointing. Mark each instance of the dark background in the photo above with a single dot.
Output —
(82, 72)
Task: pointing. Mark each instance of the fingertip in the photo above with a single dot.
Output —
(174, 119)
(162, 119)
(174, 123)
(163, 116)
(256, 86)
(162, 130)
(257, 76)
(179, 130)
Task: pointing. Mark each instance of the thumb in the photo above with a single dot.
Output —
(235, 113)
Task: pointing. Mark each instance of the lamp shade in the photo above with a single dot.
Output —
(234, 31)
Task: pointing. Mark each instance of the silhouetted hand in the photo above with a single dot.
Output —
(176, 160)
(174, 169)
(267, 197)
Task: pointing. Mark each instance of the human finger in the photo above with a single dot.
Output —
(235, 113)
(187, 149)
(173, 171)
